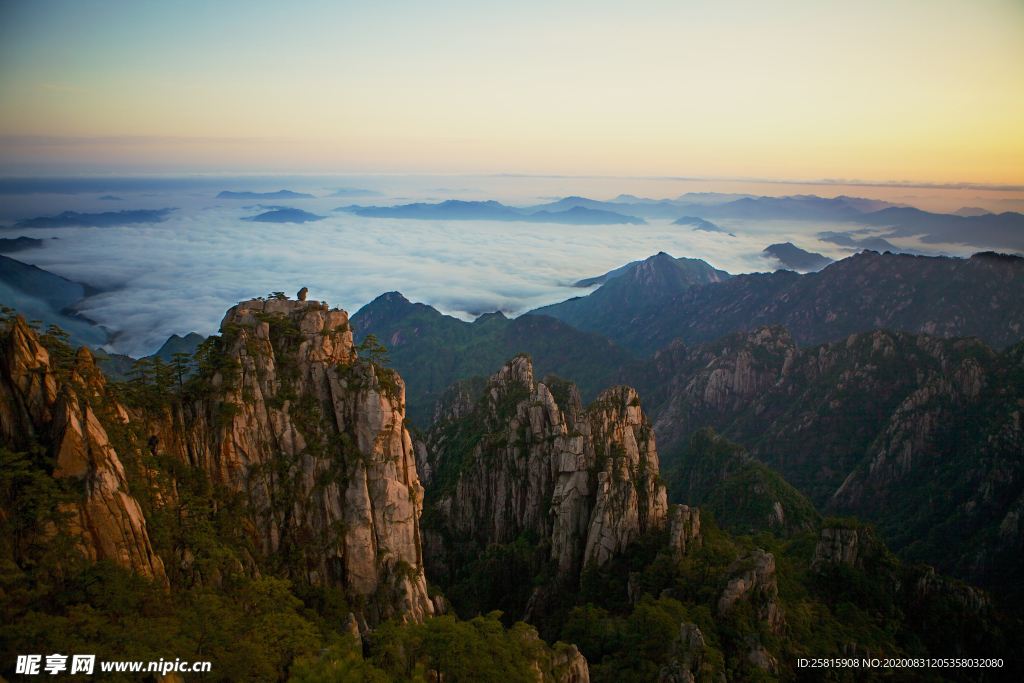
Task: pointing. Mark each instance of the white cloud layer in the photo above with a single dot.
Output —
(181, 275)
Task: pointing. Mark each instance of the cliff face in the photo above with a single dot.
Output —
(40, 408)
(523, 460)
(314, 436)
(285, 414)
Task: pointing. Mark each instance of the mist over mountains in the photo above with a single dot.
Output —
(453, 256)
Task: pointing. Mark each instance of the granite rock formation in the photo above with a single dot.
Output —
(39, 405)
(687, 653)
(843, 546)
(314, 436)
(569, 665)
(684, 529)
(869, 426)
(750, 574)
(285, 412)
(528, 456)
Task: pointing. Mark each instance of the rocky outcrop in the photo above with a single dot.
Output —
(53, 407)
(285, 412)
(915, 428)
(459, 399)
(684, 529)
(687, 653)
(721, 378)
(873, 426)
(843, 546)
(755, 573)
(758, 656)
(569, 665)
(922, 582)
(314, 436)
(585, 479)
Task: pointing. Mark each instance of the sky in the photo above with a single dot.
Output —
(801, 90)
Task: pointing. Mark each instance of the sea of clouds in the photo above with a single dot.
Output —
(181, 275)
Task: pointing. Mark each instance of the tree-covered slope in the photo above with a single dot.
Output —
(745, 495)
(917, 434)
(431, 350)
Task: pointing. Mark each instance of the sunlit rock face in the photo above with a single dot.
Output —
(40, 409)
(315, 436)
(284, 413)
(528, 456)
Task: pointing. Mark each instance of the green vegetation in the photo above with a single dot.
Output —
(717, 475)
(840, 407)
(432, 351)
(869, 606)
(254, 615)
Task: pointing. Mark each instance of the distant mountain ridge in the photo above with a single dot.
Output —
(42, 295)
(12, 245)
(454, 209)
(947, 297)
(285, 216)
(108, 219)
(644, 287)
(989, 231)
(793, 257)
(280, 194)
(117, 367)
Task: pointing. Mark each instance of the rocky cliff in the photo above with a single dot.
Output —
(529, 457)
(51, 410)
(841, 545)
(283, 412)
(314, 435)
(753, 575)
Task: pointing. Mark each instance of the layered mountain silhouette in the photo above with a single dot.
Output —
(285, 216)
(280, 194)
(491, 210)
(647, 286)
(793, 257)
(108, 219)
(12, 245)
(948, 297)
